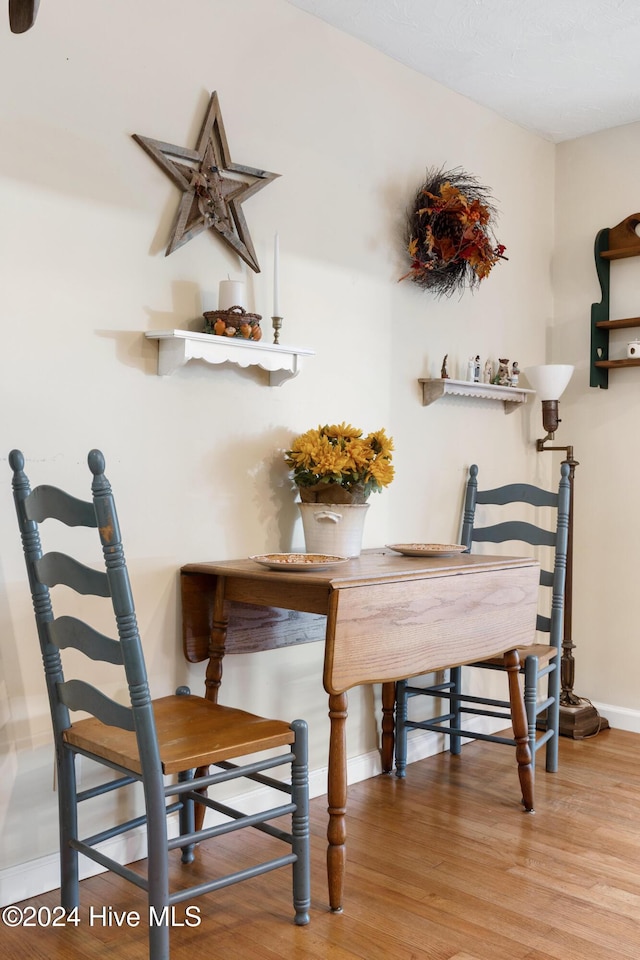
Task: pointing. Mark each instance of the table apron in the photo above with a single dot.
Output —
(304, 595)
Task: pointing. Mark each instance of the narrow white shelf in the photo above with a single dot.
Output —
(432, 390)
(177, 347)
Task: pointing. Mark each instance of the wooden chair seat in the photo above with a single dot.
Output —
(192, 732)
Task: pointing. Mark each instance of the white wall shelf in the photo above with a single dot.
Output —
(177, 347)
(434, 389)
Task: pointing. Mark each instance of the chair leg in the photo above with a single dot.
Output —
(157, 870)
(401, 729)
(530, 703)
(186, 817)
(68, 822)
(553, 718)
(300, 823)
(455, 741)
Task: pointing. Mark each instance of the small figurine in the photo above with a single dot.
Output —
(502, 377)
(488, 372)
(515, 374)
(476, 369)
(443, 371)
(471, 369)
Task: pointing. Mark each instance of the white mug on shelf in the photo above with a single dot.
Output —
(633, 349)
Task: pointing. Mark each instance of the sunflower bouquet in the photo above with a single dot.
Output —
(337, 464)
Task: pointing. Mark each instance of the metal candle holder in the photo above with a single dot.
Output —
(277, 324)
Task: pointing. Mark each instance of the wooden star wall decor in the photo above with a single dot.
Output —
(214, 188)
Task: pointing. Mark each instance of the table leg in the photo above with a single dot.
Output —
(388, 725)
(337, 799)
(217, 641)
(213, 677)
(520, 729)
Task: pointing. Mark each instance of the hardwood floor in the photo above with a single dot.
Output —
(443, 866)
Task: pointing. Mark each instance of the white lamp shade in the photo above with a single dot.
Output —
(549, 380)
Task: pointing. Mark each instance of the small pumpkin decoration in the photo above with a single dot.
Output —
(235, 322)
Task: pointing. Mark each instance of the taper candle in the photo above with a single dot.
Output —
(276, 276)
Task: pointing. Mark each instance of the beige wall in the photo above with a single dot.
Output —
(597, 186)
(196, 458)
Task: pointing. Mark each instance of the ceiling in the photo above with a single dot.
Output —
(560, 68)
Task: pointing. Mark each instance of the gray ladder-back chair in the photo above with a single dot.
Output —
(158, 743)
(537, 661)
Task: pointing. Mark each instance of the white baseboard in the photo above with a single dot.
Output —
(620, 718)
(30, 879)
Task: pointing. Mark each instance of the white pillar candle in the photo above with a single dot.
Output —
(231, 294)
(276, 276)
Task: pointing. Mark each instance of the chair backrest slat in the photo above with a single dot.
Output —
(46, 502)
(54, 569)
(514, 530)
(78, 695)
(71, 632)
(518, 493)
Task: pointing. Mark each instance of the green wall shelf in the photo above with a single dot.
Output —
(612, 243)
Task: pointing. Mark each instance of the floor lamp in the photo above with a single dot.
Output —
(578, 717)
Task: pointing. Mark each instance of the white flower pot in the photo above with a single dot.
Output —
(333, 528)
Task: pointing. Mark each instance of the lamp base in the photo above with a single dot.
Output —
(581, 720)
(578, 721)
